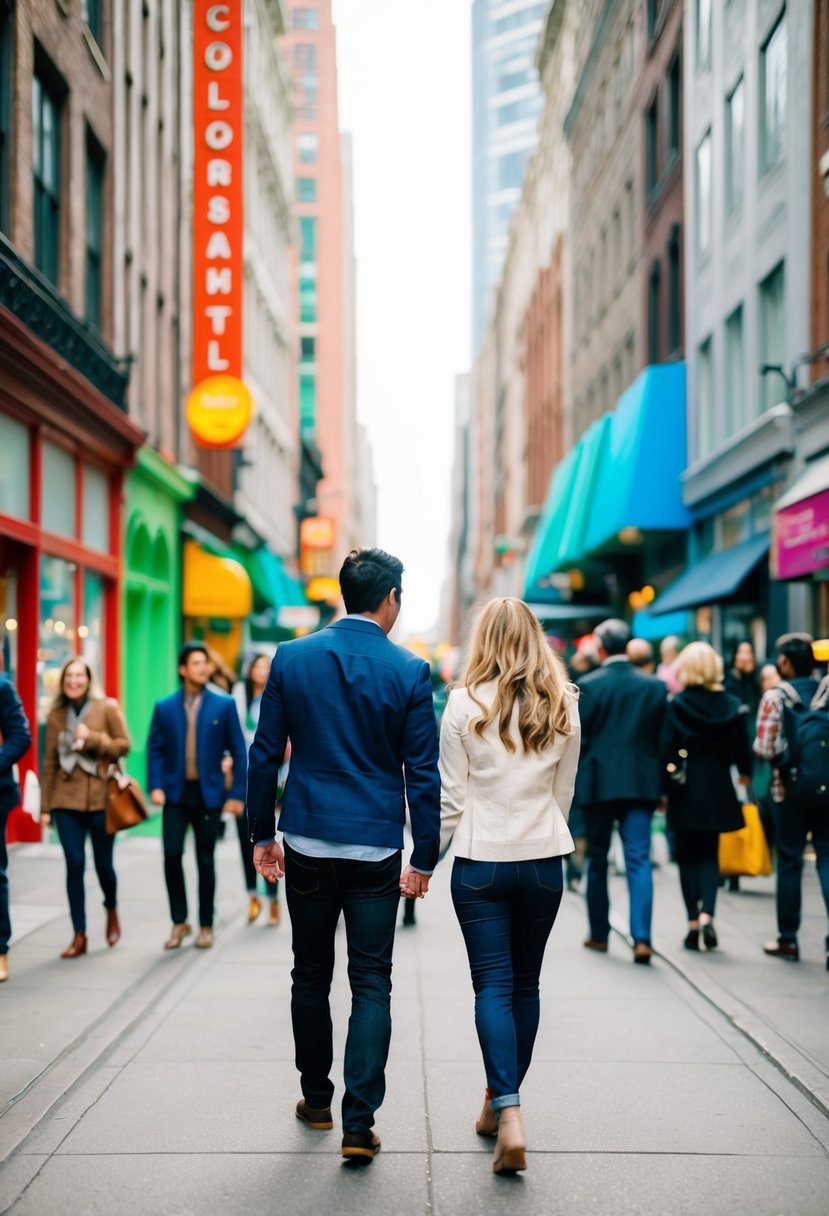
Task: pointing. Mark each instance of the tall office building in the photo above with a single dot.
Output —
(506, 102)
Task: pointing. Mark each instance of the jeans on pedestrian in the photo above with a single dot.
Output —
(791, 827)
(699, 870)
(191, 812)
(246, 849)
(635, 831)
(5, 920)
(367, 894)
(73, 827)
(506, 911)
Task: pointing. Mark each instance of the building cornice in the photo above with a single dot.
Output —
(589, 66)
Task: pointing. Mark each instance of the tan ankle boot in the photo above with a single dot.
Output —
(487, 1125)
(510, 1147)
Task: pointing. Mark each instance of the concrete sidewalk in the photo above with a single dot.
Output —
(642, 1099)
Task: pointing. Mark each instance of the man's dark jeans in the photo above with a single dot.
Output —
(635, 831)
(506, 911)
(367, 893)
(791, 827)
(205, 823)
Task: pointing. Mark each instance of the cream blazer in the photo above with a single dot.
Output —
(500, 805)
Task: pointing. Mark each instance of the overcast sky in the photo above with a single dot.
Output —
(404, 85)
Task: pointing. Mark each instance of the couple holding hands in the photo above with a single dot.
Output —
(358, 712)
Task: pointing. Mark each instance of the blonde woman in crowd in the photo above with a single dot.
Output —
(85, 734)
(508, 757)
(704, 735)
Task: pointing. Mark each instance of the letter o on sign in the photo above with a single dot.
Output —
(218, 135)
(218, 56)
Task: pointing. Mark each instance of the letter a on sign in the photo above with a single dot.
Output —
(218, 225)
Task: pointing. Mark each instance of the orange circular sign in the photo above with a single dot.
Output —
(219, 410)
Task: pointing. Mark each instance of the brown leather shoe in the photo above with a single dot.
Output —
(177, 936)
(113, 927)
(319, 1119)
(510, 1153)
(642, 953)
(599, 947)
(4, 968)
(781, 949)
(254, 908)
(487, 1125)
(360, 1146)
(204, 938)
(274, 916)
(76, 947)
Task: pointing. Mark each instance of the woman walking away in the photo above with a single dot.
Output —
(85, 734)
(704, 735)
(248, 697)
(508, 756)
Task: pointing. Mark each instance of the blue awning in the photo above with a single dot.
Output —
(638, 488)
(572, 548)
(654, 628)
(715, 578)
(543, 554)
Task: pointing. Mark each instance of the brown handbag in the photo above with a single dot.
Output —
(125, 805)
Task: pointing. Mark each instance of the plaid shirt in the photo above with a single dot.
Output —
(771, 741)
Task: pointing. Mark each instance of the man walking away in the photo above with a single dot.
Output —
(620, 781)
(190, 733)
(15, 741)
(358, 711)
(782, 727)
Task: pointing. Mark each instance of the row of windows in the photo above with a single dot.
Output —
(663, 128)
(308, 147)
(671, 347)
(733, 406)
(603, 126)
(604, 269)
(772, 136)
(305, 18)
(608, 386)
(523, 16)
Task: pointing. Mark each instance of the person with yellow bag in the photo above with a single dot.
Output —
(703, 737)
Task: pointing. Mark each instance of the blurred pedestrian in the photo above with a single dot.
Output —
(358, 712)
(777, 724)
(703, 735)
(769, 678)
(640, 653)
(584, 659)
(189, 734)
(666, 671)
(743, 683)
(15, 741)
(247, 694)
(620, 780)
(85, 735)
(509, 750)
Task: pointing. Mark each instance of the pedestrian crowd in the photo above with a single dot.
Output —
(321, 754)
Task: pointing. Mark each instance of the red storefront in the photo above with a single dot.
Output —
(65, 441)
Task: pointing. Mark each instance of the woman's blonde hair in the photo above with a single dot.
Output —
(699, 664)
(508, 646)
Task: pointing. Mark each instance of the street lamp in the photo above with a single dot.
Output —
(767, 369)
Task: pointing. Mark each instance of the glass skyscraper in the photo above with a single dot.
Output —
(506, 102)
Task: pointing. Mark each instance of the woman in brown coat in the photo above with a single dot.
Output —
(85, 734)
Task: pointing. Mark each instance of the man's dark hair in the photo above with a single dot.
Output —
(367, 577)
(191, 648)
(797, 648)
(613, 636)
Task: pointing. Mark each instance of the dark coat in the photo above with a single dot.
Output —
(621, 710)
(15, 740)
(358, 711)
(217, 731)
(710, 727)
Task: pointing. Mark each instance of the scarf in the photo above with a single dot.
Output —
(69, 757)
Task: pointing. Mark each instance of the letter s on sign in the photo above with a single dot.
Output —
(218, 209)
(217, 19)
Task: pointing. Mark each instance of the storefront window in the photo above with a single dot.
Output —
(57, 627)
(57, 508)
(736, 524)
(8, 621)
(762, 507)
(95, 509)
(14, 469)
(91, 628)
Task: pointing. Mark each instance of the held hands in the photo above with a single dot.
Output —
(269, 861)
(412, 884)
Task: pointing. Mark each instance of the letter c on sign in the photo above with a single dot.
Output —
(217, 19)
(218, 56)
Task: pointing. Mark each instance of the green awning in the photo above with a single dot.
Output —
(543, 555)
(273, 586)
(591, 447)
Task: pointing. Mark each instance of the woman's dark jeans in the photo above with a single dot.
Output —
(72, 828)
(699, 871)
(506, 911)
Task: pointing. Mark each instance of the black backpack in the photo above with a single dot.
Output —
(807, 755)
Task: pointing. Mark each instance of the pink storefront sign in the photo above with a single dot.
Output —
(801, 534)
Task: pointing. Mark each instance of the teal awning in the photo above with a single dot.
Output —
(717, 577)
(543, 555)
(273, 586)
(591, 447)
(638, 488)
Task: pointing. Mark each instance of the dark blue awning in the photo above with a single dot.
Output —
(715, 578)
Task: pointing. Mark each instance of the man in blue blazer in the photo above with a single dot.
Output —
(190, 733)
(358, 712)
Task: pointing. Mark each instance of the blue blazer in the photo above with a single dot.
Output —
(15, 739)
(358, 712)
(217, 731)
